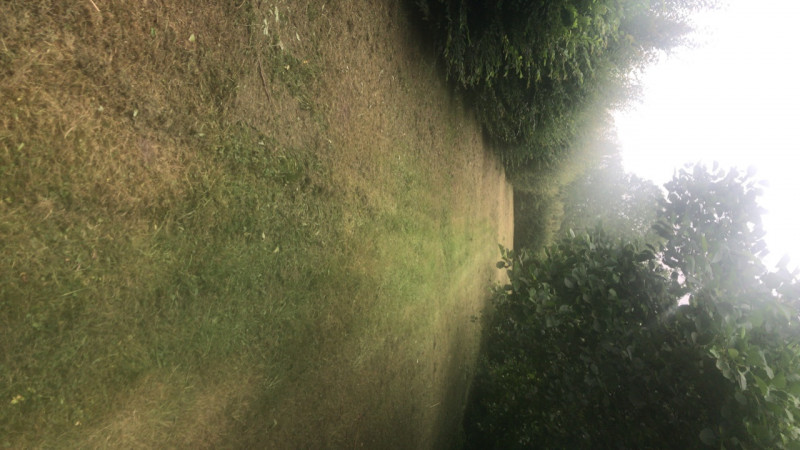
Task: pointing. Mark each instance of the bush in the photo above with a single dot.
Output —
(573, 356)
(589, 347)
(535, 66)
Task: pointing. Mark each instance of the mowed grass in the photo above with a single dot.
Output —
(179, 250)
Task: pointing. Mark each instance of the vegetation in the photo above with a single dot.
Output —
(622, 203)
(546, 196)
(608, 342)
(542, 75)
(196, 250)
(230, 223)
(539, 69)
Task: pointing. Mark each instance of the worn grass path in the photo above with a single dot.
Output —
(236, 224)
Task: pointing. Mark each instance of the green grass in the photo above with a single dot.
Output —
(245, 269)
(169, 266)
(95, 302)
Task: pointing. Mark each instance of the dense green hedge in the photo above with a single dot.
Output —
(535, 66)
(573, 356)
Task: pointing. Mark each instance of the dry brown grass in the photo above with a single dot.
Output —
(239, 239)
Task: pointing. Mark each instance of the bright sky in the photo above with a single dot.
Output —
(734, 99)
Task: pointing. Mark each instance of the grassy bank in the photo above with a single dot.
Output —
(235, 224)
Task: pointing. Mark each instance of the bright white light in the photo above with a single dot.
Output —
(734, 99)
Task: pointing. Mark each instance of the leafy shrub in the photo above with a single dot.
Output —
(537, 219)
(536, 66)
(573, 357)
(589, 347)
(540, 208)
(605, 194)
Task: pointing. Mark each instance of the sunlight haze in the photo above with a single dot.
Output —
(733, 99)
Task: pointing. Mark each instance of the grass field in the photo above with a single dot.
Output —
(236, 224)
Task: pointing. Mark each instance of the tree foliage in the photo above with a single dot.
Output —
(535, 66)
(591, 348)
(540, 207)
(621, 202)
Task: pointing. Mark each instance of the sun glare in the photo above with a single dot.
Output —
(732, 99)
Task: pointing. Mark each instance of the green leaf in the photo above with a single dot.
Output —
(717, 257)
(663, 229)
(568, 283)
(755, 357)
(779, 381)
(708, 437)
(757, 318)
(724, 367)
(762, 386)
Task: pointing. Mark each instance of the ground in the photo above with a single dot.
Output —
(238, 224)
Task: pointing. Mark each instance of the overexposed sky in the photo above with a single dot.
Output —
(735, 98)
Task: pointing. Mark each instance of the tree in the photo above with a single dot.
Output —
(621, 202)
(534, 67)
(743, 315)
(590, 347)
(711, 221)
